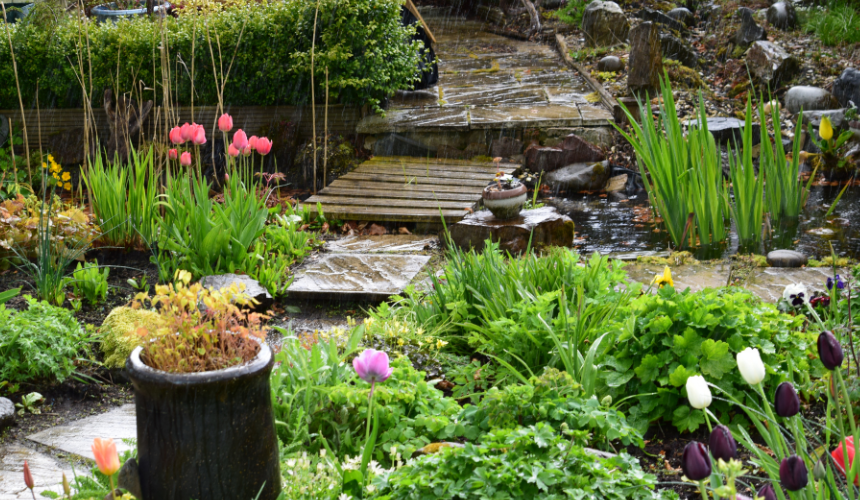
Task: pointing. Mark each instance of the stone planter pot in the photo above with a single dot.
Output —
(505, 204)
(208, 435)
(109, 11)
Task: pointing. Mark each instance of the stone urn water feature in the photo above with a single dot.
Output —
(505, 197)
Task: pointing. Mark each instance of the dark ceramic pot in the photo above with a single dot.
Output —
(505, 204)
(207, 435)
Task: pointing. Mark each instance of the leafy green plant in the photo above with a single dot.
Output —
(838, 23)
(90, 281)
(124, 199)
(525, 462)
(30, 404)
(40, 343)
(283, 245)
(748, 202)
(671, 336)
(572, 12)
(8, 295)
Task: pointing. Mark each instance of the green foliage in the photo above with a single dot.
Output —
(787, 195)
(525, 462)
(673, 335)
(39, 344)
(361, 42)
(837, 24)
(282, 247)
(572, 12)
(90, 281)
(748, 202)
(120, 333)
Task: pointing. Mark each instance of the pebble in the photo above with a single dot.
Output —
(786, 258)
(610, 63)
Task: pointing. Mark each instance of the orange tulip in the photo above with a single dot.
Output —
(106, 456)
(28, 478)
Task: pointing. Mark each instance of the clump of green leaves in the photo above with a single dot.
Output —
(41, 343)
(671, 336)
(90, 281)
(836, 24)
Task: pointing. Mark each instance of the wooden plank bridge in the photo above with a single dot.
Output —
(408, 189)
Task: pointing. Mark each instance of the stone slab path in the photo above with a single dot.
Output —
(77, 437)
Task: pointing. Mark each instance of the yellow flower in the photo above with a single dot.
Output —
(68, 186)
(66, 176)
(400, 342)
(440, 344)
(51, 158)
(55, 176)
(825, 130)
(665, 279)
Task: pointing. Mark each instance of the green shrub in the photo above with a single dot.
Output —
(120, 333)
(362, 43)
(41, 343)
(572, 12)
(837, 24)
(90, 281)
(673, 335)
(524, 462)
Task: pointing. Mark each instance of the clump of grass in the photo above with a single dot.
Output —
(837, 24)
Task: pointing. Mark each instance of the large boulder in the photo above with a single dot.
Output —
(683, 15)
(749, 32)
(588, 176)
(655, 16)
(847, 87)
(771, 64)
(7, 411)
(676, 49)
(727, 130)
(809, 99)
(604, 24)
(786, 258)
(542, 227)
(573, 149)
(646, 60)
(782, 15)
(578, 150)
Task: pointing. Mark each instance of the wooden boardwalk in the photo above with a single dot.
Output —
(407, 189)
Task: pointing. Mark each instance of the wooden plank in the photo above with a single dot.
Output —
(434, 168)
(438, 161)
(417, 172)
(398, 180)
(356, 212)
(387, 186)
(388, 202)
(464, 197)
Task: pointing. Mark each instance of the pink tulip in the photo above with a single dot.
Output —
(185, 159)
(225, 123)
(28, 478)
(240, 139)
(252, 142)
(264, 145)
(372, 366)
(187, 132)
(104, 451)
(172, 154)
(246, 151)
(232, 151)
(839, 457)
(176, 135)
(199, 135)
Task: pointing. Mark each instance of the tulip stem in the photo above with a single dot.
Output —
(850, 470)
(112, 489)
(815, 315)
(702, 490)
(369, 413)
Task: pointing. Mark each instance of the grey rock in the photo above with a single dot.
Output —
(604, 24)
(782, 15)
(541, 227)
(578, 150)
(655, 16)
(494, 15)
(252, 289)
(398, 145)
(676, 49)
(646, 60)
(129, 478)
(7, 413)
(837, 118)
(771, 64)
(4, 130)
(506, 147)
(809, 99)
(749, 31)
(711, 14)
(682, 14)
(786, 258)
(847, 87)
(579, 177)
(610, 63)
(726, 129)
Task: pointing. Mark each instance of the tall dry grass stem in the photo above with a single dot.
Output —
(18, 87)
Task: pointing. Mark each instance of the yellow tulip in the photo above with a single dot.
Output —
(825, 130)
(664, 279)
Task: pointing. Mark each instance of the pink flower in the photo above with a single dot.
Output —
(252, 141)
(172, 154)
(199, 135)
(839, 457)
(264, 145)
(240, 139)
(185, 159)
(187, 132)
(104, 451)
(232, 151)
(372, 366)
(246, 151)
(225, 123)
(176, 135)
(28, 478)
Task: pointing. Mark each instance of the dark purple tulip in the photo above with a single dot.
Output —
(793, 474)
(786, 401)
(767, 492)
(722, 443)
(829, 351)
(695, 461)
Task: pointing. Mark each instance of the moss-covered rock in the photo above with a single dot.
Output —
(120, 333)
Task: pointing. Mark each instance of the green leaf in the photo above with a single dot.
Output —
(716, 360)
(679, 377)
(649, 370)
(687, 419)
(660, 324)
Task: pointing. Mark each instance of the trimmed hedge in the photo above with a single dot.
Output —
(368, 53)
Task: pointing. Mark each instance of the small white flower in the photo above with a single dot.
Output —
(751, 366)
(698, 392)
(344, 496)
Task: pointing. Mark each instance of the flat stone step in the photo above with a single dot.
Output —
(46, 470)
(355, 276)
(389, 243)
(77, 437)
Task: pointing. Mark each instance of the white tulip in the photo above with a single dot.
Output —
(795, 294)
(698, 392)
(751, 366)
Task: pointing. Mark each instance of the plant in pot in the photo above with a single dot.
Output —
(205, 427)
(505, 196)
(117, 9)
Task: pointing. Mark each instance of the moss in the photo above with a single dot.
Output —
(120, 335)
(682, 75)
(751, 260)
(738, 52)
(674, 259)
(482, 159)
(829, 262)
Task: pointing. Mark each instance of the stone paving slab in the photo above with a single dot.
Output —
(46, 470)
(359, 276)
(389, 243)
(77, 437)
